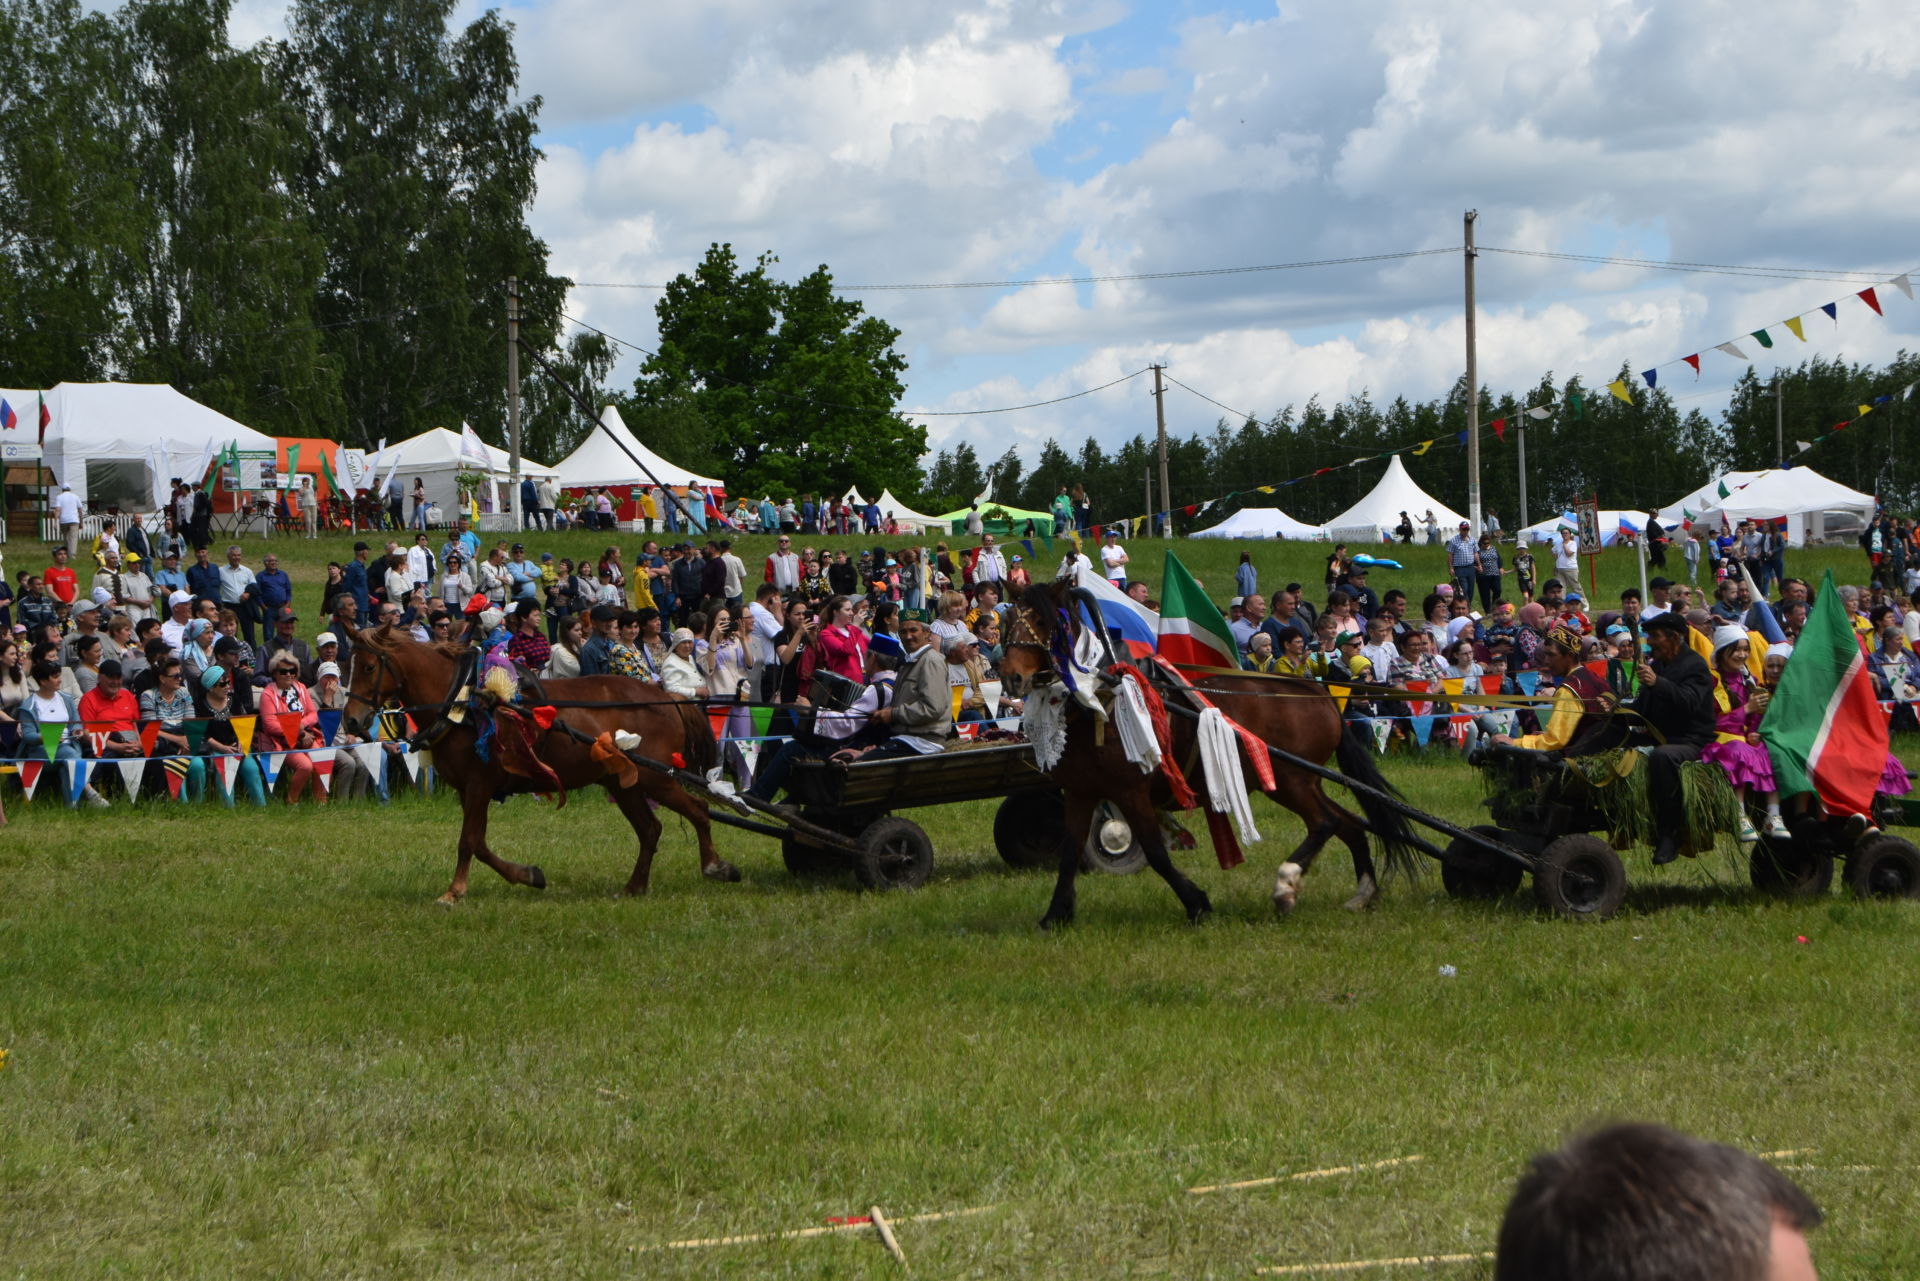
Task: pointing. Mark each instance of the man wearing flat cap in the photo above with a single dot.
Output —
(1676, 698)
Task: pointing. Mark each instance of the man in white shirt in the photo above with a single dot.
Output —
(989, 566)
(174, 630)
(1114, 557)
(67, 510)
(736, 571)
(974, 527)
(763, 631)
(236, 591)
(549, 492)
(491, 579)
(783, 567)
(1566, 554)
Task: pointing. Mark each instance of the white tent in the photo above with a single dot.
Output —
(906, 518)
(852, 498)
(1708, 495)
(1261, 522)
(1800, 494)
(1372, 519)
(120, 443)
(1611, 523)
(599, 461)
(434, 456)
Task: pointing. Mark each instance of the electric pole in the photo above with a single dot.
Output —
(1160, 422)
(1147, 476)
(1779, 424)
(1522, 420)
(1473, 390)
(513, 402)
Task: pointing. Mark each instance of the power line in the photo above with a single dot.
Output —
(1712, 268)
(864, 409)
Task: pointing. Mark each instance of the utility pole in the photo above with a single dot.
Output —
(1473, 390)
(1160, 421)
(1779, 424)
(1522, 421)
(1146, 475)
(513, 402)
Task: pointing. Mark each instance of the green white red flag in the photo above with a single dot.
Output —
(1824, 729)
(1192, 631)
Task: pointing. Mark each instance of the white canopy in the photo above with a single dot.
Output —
(122, 442)
(599, 461)
(1372, 519)
(1800, 494)
(852, 498)
(435, 456)
(1611, 523)
(1705, 497)
(1261, 522)
(906, 518)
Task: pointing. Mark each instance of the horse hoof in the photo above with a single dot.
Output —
(1198, 910)
(720, 870)
(1051, 922)
(1286, 889)
(1363, 897)
(536, 878)
(449, 899)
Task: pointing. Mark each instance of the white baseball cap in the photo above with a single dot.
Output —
(180, 597)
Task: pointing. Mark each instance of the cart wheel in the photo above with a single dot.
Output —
(805, 859)
(1581, 878)
(1473, 871)
(1884, 867)
(1789, 868)
(1030, 829)
(894, 854)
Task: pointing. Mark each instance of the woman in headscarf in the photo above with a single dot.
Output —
(1736, 747)
(1532, 633)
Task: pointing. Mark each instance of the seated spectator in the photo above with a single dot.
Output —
(170, 706)
(288, 696)
(218, 707)
(351, 779)
(679, 674)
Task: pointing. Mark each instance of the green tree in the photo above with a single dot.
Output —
(797, 386)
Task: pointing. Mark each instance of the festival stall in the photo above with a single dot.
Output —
(1373, 518)
(905, 518)
(1011, 520)
(438, 457)
(1812, 506)
(601, 461)
(1261, 522)
(121, 444)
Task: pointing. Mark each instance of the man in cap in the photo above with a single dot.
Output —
(1658, 591)
(228, 655)
(169, 578)
(86, 625)
(179, 614)
(283, 641)
(1582, 703)
(1366, 603)
(596, 655)
(832, 731)
(1463, 559)
(920, 718)
(1676, 699)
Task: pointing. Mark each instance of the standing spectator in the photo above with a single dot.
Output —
(990, 565)
(456, 585)
(359, 586)
(1566, 555)
(273, 590)
(66, 509)
(203, 576)
(547, 498)
(1114, 558)
(783, 567)
(763, 624)
(1082, 509)
(420, 562)
(1463, 559)
(1656, 536)
(396, 494)
(523, 576)
(688, 573)
(1432, 524)
(529, 503)
(60, 581)
(733, 575)
(840, 645)
(168, 579)
(395, 583)
(492, 580)
(1488, 569)
(1246, 579)
(974, 526)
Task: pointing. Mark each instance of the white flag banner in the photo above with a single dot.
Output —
(270, 763)
(356, 468)
(1540, 413)
(1732, 349)
(473, 449)
(1903, 284)
(132, 771)
(413, 764)
(228, 768)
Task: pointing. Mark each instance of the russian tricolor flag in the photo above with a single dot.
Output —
(1125, 617)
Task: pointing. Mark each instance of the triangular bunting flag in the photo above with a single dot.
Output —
(1490, 684)
(175, 768)
(717, 714)
(1598, 667)
(1499, 426)
(97, 735)
(329, 723)
(762, 720)
(133, 772)
(1422, 448)
(1651, 375)
(1872, 300)
(322, 758)
(226, 765)
(196, 731)
(50, 735)
(243, 727)
(1528, 681)
(30, 772)
(270, 763)
(1904, 285)
(1454, 685)
(289, 723)
(1540, 413)
(1722, 491)
(1864, 410)
(1339, 693)
(1833, 311)
(1619, 389)
(77, 772)
(413, 764)
(371, 757)
(1794, 325)
(1693, 360)
(1732, 349)
(8, 419)
(1422, 729)
(1762, 337)
(149, 735)
(1579, 402)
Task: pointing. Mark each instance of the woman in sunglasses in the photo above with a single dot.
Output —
(281, 702)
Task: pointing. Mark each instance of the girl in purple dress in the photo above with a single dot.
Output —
(1736, 747)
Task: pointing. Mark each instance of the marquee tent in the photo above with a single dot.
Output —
(906, 518)
(1262, 522)
(1016, 519)
(1372, 519)
(1611, 523)
(1708, 495)
(434, 456)
(1800, 494)
(599, 461)
(120, 443)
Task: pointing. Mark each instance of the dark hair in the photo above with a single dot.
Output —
(1639, 1200)
(43, 670)
(1337, 597)
(1432, 600)
(629, 618)
(764, 590)
(1629, 593)
(84, 643)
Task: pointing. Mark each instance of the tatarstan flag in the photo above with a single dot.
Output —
(1192, 631)
(1824, 729)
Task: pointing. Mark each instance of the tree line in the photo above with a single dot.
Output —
(1639, 455)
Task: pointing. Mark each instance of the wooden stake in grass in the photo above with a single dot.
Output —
(1204, 1189)
(885, 1230)
(1362, 1265)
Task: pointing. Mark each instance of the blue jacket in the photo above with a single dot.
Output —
(354, 579)
(273, 588)
(204, 581)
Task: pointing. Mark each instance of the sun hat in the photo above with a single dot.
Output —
(681, 636)
(327, 669)
(212, 676)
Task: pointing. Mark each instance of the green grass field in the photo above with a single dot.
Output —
(247, 1044)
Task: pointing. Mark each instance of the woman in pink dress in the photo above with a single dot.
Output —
(841, 645)
(1736, 747)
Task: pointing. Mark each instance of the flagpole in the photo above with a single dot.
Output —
(1473, 389)
(513, 403)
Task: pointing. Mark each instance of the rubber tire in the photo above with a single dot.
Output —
(1478, 873)
(1580, 878)
(1030, 829)
(809, 861)
(1884, 867)
(894, 854)
(1787, 868)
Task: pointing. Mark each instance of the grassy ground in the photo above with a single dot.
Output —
(246, 1044)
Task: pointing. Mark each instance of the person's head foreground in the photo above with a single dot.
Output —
(1640, 1202)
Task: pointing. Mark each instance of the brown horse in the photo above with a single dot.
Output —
(1299, 715)
(391, 667)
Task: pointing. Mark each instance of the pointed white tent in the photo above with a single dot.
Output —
(1372, 519)
(906, 518)
(852, 498)
(437, 458)
(1800, 494)
(599, 461)
(1705, 497)
(121, 442)
(1261, 522)
(1611, 523)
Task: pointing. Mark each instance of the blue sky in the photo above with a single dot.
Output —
(986, 139)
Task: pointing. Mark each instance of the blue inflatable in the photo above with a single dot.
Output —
(1379, 561)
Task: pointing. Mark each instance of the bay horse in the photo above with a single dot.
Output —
(1298, 714)
(390, 666)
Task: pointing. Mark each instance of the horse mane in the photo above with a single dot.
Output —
(1043, 602)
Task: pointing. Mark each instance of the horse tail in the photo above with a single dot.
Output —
(1357, 762)
(702, 750)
